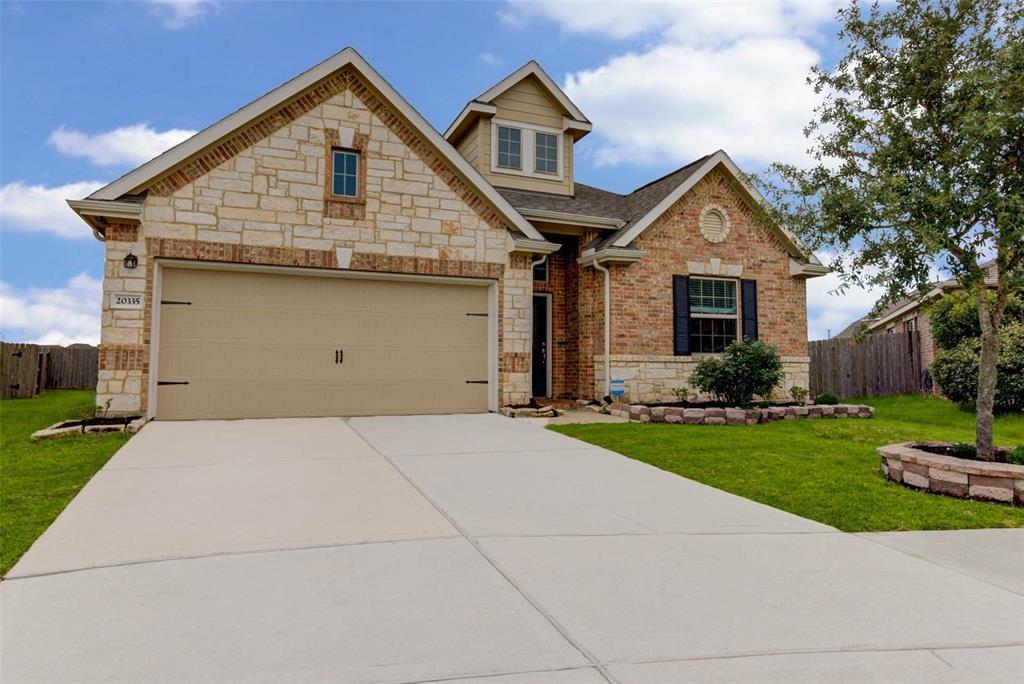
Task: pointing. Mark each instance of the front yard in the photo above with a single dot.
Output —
(38, 480)
(825, 470)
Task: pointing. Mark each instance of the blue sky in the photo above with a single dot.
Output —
(91, 89)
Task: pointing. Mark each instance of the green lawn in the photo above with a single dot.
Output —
(38, 480)
(825, 470)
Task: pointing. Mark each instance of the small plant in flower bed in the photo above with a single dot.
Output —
(748, 368)
(968, 451)
(799, 394)
(826, 399)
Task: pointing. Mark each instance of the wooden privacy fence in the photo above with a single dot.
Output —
(30, 369)
(886, 363)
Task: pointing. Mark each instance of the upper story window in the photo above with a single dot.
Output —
(510, 147)
(540, 272)
(714, 315)
(528, 150)
(345, 181)
(546, 153)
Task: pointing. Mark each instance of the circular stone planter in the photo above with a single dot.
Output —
(960, 477)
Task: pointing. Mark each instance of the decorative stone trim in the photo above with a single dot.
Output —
(541, 412)
(959, 477)
(124, 357)
(714, 267)
(713, 230)
(637, 413)
(344, 207)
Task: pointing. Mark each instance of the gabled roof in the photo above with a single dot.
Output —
(484, 102)
(137, 180)
(905, 305)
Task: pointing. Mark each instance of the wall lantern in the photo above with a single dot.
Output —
(131, 261)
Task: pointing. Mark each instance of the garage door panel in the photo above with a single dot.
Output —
(263, 345)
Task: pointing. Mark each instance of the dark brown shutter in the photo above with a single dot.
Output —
(749, 288)
(681, 314)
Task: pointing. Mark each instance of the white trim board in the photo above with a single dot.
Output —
(136, 180)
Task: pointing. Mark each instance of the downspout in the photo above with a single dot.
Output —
(607, 326)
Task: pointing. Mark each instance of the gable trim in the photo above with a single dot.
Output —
(152, 170)
(457, 127)
(532, 68)
(718, 158)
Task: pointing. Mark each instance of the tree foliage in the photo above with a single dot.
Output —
(954, 317)
(917, 152)
(956, 370)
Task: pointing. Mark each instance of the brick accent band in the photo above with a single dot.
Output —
(121, 232)
(515, 362)
(129, 357)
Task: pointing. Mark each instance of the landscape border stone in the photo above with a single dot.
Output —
(54, 431)
(639, 413)
(958, 477)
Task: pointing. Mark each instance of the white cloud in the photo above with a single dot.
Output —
(490, 58)
(126, 145)
(42, 209)
(178, 14)
(675, 103)
(710, 75)
(681, 21)
(62, 315)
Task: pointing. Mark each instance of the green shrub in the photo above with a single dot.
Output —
(1016, 456)
(956, 370)
(954, 317)
(799, 394)
(826, 399)
(963, 450)
(747, 368)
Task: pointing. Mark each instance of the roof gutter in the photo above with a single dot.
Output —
(530, 246)
(612, 255)
(97, 213)
(805, 269)
(571, 219)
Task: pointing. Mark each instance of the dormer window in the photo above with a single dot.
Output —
(510, 148)
(525, 150)
(546, 155)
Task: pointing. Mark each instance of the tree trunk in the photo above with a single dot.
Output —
(986, 375)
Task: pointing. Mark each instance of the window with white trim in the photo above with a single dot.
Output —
(545, 153)
(528, 150)
(510, 147)
(714, 315)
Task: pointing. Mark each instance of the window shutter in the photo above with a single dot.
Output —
(681, 314)
(749, 288)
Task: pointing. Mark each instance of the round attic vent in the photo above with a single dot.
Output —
(714, 224)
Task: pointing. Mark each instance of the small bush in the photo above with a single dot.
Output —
(954, 317)
(956, 370)
(1016, 456)
(799, 394)
(964, 450)
(747, 368)
(682, 394)
(826, 399)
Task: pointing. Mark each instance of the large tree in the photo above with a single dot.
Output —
(918, 158)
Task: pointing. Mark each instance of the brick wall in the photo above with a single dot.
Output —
(642, 313)
(259, 198)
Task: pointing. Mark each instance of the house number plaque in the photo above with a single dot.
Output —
(125, 301)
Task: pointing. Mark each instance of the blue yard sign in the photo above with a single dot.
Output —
(617, 388)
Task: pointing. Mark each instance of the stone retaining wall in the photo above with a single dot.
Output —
(736, 416)
(959, 477)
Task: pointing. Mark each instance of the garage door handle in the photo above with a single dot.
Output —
(476, 382)
(172, 382)
(339, 356)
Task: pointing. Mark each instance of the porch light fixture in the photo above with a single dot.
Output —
(131, 261)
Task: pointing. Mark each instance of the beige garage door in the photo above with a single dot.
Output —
(260, 345)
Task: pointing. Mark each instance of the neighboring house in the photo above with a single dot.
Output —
(325, 251)
(910, 313)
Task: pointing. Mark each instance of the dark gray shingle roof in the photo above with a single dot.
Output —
(591, 201)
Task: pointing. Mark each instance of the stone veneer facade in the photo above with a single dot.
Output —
(259, 198)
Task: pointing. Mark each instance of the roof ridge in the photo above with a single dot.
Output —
(670, 173)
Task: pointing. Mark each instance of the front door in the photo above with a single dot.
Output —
(541, 333)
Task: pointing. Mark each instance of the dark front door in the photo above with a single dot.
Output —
(540, 346)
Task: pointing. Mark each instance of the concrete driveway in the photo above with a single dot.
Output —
(479, 549)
